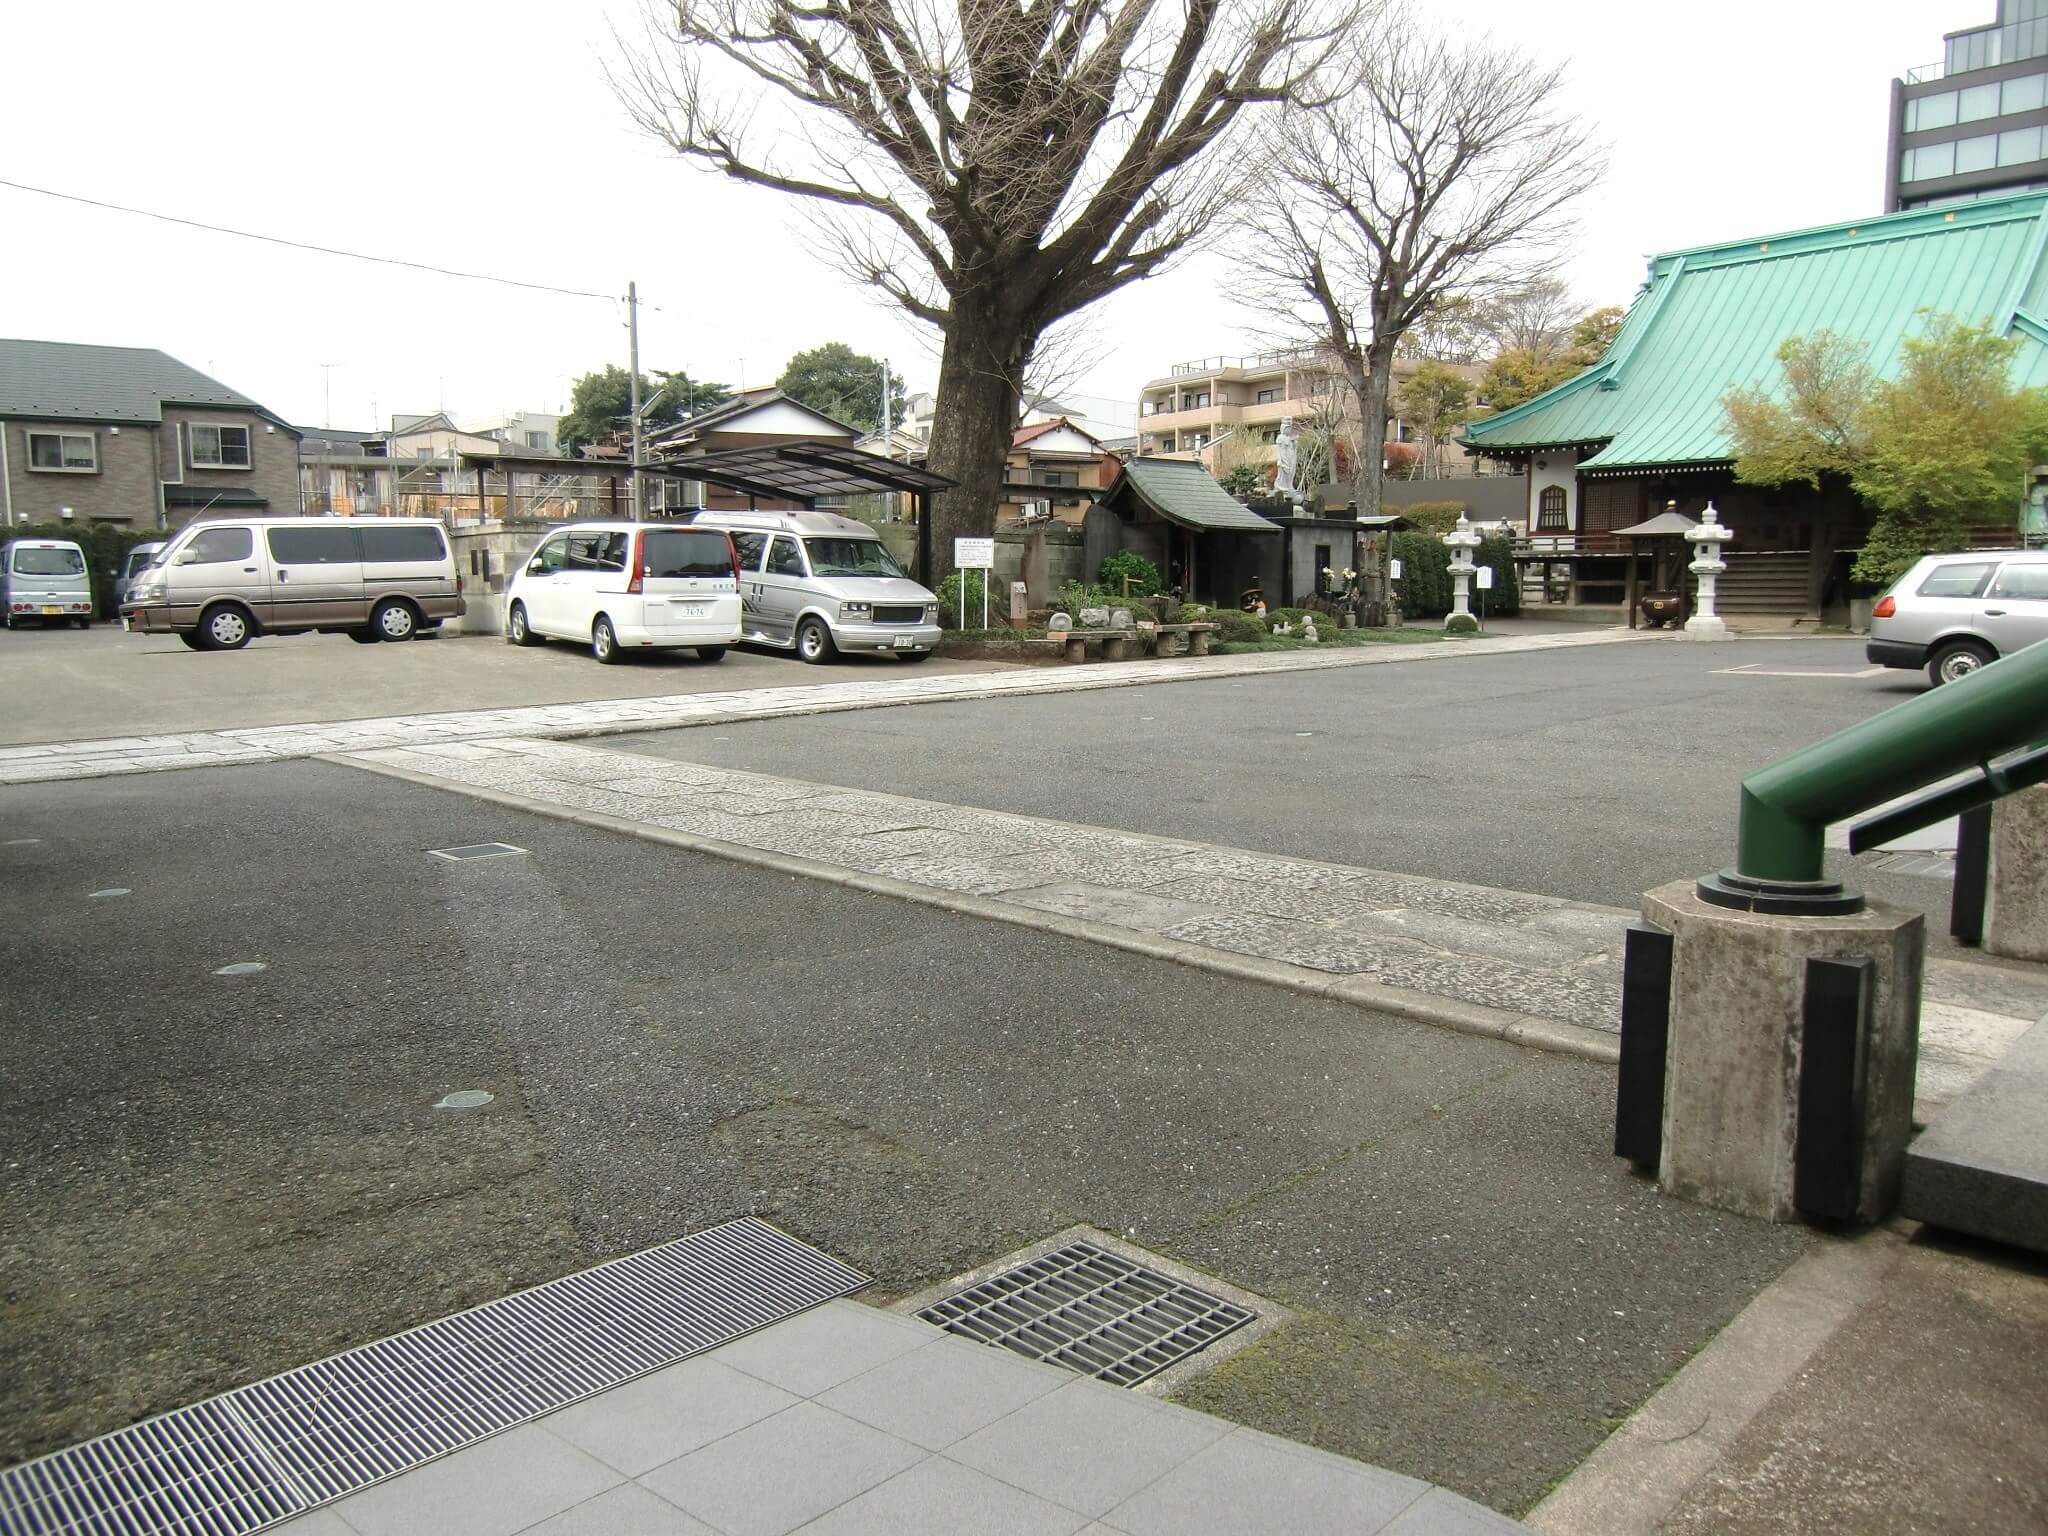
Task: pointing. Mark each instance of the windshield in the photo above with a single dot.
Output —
(48, 562)
(143, 559)
(850, 557)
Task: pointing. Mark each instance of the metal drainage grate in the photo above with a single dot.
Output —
(476, 851)
(260, 1454)
(1092, 1311)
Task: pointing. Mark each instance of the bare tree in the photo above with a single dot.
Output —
(1442, 178)
(991, 166)
(1533, 317)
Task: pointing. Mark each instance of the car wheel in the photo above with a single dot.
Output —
(909, 657)
(814, 641)
(83, 623)
(517, 630)
(225, 628)
(363, 636)
(394, 619)
(192, 640)
(1959, 659)
(604, 642)
(711, 653)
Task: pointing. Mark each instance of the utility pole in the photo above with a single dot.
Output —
(887, 446)
(633, 385)
(327, 387)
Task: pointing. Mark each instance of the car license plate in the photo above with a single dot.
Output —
(692, 610)
(904, 643)
(52, 608)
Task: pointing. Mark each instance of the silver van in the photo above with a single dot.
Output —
(818, 584)
(133, 564)
(220, 584)
(1954, 613)
(44, 581)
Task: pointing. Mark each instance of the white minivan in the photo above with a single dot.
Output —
(43, 581)
(619, 587)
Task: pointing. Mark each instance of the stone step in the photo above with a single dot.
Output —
(1982, 1166)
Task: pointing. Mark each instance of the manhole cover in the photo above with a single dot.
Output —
(242, 968)
(476, 851)
(464, 1098)
(1091, 1311)
(112, 890)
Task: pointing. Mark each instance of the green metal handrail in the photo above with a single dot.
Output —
(1788, 806)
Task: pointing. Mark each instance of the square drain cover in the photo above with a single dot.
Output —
(476, 851)
(1092, 1311)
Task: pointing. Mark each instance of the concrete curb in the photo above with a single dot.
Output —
(1364, 992)
(1645, 1469)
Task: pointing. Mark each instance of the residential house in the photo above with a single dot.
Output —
(130, 437)
(524, 432)
(1976, 123)
(1644, 429)
(753, 418)
(343, 473)
(1054, 470)
(1225, 411)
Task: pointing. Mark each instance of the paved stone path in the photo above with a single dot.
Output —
(268, 743)
(1523, 967)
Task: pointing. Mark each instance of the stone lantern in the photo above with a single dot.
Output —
(1707, 565)
(1462, 541)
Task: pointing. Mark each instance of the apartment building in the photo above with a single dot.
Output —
(1974, 124)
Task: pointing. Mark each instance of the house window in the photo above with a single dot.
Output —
(1195, 402)
(536, 439)
(220, 447)
(1550, 510)
(77, 452)
(1195, 440)
(1059, 477)
(1266, 397)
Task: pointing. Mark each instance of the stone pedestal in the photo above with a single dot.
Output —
(1020, 605)
(2016, 905)
(1731, 1085)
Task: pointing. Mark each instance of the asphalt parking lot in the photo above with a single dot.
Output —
(70, 684)
(209, 1178)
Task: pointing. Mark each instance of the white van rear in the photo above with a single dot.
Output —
(44, 581)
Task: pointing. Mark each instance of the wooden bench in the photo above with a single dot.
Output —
(1115, 644)
(1184, 639)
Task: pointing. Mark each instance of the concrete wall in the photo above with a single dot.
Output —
(123, 491)
(485, 559)
(1487, 498)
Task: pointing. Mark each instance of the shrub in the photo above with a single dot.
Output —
(949, 599)
(1142, 574)
(1232, 623)
(1437, 517)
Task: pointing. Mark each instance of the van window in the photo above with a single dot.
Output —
(783, 560)
(313, 546)
(547, 560)
(750, 546)
(850, 557)
(675, 552)
(597, 552)
(29, 561)
(216, 546)
(2023, 581)
(1961, 579)
(391, 545)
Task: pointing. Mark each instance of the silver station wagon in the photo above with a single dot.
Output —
(1955, 613)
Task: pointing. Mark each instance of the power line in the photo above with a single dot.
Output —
(301, 245)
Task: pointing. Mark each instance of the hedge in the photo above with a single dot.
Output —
(104, 547)
(1425, 585)
(1430, 516)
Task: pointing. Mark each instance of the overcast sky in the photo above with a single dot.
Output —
(485, 138)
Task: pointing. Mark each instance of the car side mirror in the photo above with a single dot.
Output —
(535, 568)
(188, 557)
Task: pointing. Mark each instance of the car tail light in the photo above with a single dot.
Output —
(1885, 608)
(639, 580)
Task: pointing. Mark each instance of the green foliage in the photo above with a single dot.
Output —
(105, 548)
(1595, 332)
(1437, 517)
(1436, 401)
(1232, 623)
(1242, 479)
(846, 385)
(1426, 587)
(1517, 374)
(600, 404)
(949, 599)
(1461, 624)
(1940, 449)
(1141, 574)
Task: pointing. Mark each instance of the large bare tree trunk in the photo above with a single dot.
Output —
(978, 372)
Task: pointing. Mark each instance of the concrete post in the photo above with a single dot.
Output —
(2016, 904)
(1732, 1074)
(1462, 541)
(1707, 565)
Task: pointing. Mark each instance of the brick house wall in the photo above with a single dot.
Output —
(273, 471)
(122, 491)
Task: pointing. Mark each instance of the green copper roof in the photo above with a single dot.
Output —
(1710, 320)
(1182, 491)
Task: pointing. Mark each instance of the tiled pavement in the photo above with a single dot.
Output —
(1520, 966)
(269, 743)
(846, 1420)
